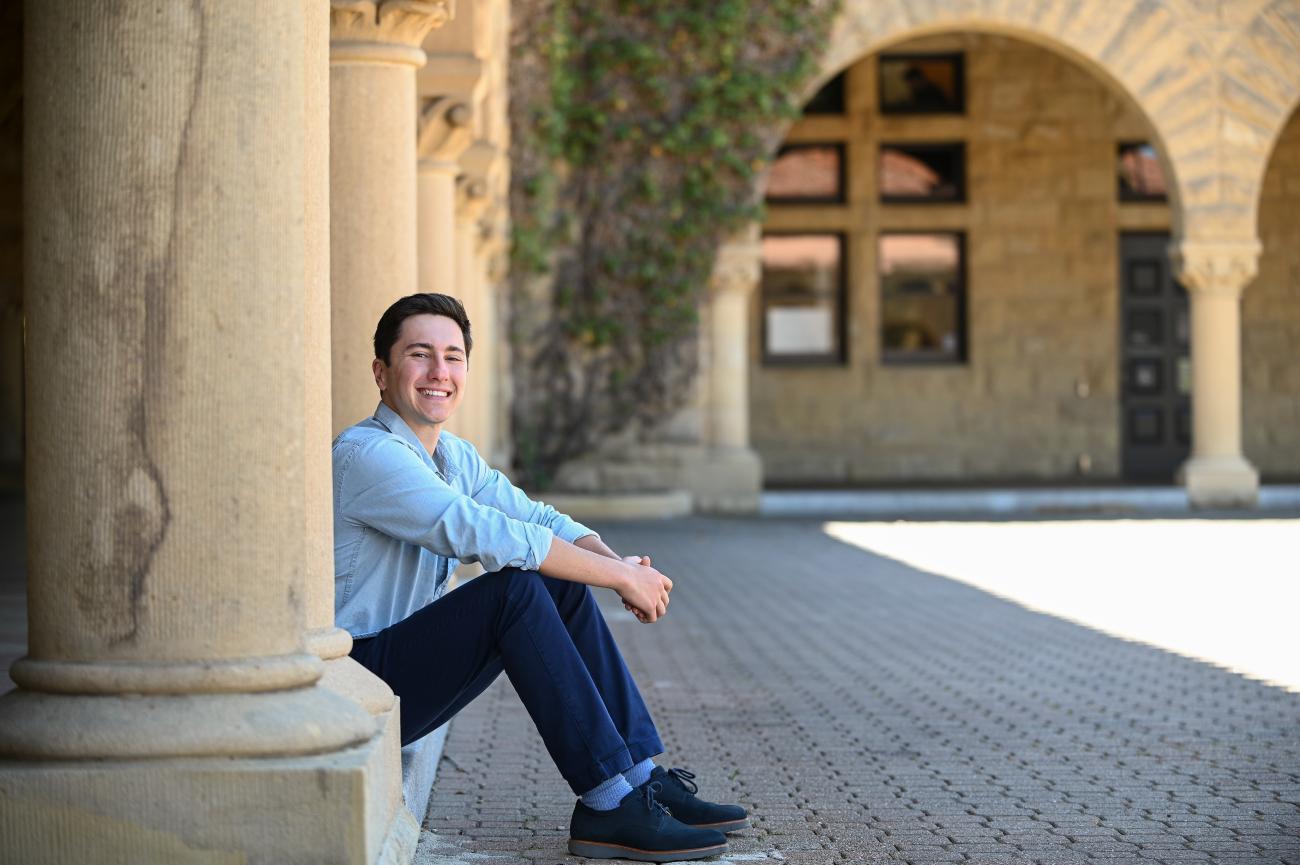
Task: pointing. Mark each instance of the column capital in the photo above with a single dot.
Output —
(384, 31)
(445, 131)
(1220, 267)
(738, 264)
(473, 190)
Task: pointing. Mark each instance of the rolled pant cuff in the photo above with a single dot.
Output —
(615, 763)
(643, 749)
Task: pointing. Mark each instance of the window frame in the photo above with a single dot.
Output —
(962, 356)
(1126, 197)
(839, 308)
(924, 147)
(842, 179)
(958, 60)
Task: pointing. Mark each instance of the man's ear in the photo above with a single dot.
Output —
(378, 367)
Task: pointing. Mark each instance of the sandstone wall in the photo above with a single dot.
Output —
(1040, 388)
(1271, 321)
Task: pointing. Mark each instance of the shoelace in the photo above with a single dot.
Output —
(651, 802)
(684, 778)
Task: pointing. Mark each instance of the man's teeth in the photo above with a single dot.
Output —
(427, 392)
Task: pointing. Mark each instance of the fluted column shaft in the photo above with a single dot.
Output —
(165, 275)
(474, 420)
(445, 132)
(1215, 274)
(735, 278)
(374, 54)
(327, 641)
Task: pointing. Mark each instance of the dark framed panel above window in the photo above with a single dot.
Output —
(1141, 177)
(922, 297)
(802, 298)
(922, 173)
(807, 174)
(829, 99)
(922, 83)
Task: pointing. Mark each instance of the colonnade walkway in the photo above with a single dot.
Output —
(870, 710)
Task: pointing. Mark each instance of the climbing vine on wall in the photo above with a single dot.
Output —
(638, 128)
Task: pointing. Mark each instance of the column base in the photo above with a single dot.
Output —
(718, 480)
(1220, 482)
(336, 807)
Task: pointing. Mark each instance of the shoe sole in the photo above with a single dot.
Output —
(599, 850)
(728, 826)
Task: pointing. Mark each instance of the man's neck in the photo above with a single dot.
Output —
(426, 433)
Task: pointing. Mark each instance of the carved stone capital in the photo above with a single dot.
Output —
(1220, 268)
(738, 264)
(445, 131)
(384, 31)
(474, 189)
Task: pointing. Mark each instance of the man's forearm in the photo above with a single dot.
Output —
(586, 560)
(593, 543)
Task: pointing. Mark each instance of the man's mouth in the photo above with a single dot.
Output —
(433, 393)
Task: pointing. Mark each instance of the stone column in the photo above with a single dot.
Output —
(734, 281)
(328, 642)
(374, 54)
(168, 677)
(474, 420)
(1215, 273)
(445, 132)
(728, 478)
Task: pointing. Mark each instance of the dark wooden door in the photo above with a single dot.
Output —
(1155, 361)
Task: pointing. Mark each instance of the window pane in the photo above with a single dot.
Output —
(1140, 175)
(922, 172)
(921, 297)
(801, 296)
(921, 84)
(829, 99)
(807, 172)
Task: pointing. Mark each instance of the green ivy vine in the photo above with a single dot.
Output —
(638, 130)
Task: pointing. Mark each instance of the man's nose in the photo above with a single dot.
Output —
(439, 369)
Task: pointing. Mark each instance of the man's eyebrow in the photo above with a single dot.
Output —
(428, 346)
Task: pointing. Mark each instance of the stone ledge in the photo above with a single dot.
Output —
(664, 505)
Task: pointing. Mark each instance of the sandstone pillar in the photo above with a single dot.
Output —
(474, 420)
(730, 478)
(445, 132)
(1215, 273)
(374, 54)
(168, 679)
(328, 642)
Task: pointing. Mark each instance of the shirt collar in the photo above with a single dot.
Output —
(393, 422)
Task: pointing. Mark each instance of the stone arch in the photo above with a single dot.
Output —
(1260, 84)
(1174, 88)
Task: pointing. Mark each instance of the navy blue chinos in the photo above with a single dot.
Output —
(551, 640)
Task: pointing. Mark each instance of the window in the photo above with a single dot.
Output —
(829, 99)
(922, 84)
(922, 308)
(807, 173)
(803, 298)
(1140, 176)
(922, 172)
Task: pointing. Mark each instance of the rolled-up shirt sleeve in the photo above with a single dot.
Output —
(495, 490)
(388, 487)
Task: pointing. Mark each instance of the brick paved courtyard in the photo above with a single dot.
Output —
(867, 711)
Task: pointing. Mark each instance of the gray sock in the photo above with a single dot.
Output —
(640, 773)
(607, 796)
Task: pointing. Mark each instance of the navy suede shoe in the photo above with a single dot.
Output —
(641, 829)
(677, 791)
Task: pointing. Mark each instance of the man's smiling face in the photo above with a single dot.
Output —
(424, 378)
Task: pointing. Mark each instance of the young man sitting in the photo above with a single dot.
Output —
(410, 502)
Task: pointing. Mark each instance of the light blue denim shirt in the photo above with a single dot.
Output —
(403, 520)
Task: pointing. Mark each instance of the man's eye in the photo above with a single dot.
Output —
(420, 354)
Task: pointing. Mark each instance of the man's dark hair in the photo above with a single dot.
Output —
(390, 323)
